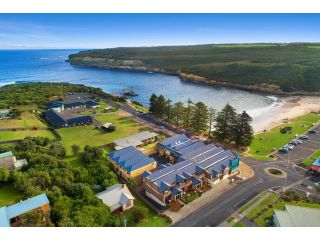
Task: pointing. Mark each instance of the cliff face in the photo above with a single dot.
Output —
(138, 65)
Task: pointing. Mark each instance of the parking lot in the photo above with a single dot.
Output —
(304, 150)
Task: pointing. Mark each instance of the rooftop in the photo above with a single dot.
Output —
(130, 159)
(296, 216)
(7, 213)
(134, 140)
(207, 157)
(180, 144)
(6, 154)
(115, 196)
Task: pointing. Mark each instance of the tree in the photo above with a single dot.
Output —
(243, 131)
(4, 174)
(153, 103)
(225, 123)
(212, 114)
(200, 117)
(161, 106)
(168, 109)
(178, 110)
(188, 114)
(36, 218)
(91, 154)
(75, 149)
(139, 214)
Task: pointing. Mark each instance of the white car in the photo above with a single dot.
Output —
(290, 146)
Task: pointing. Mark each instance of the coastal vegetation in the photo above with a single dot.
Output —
(267, 142)
(197, 117)
(275, 68)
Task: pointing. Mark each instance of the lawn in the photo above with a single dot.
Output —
(313, 157)
(21, 134)
(153, 220)
(249, 204)
(96, 110)
(238, 224)
(265, 143)
(89, 135)
(26, 120)
(8, 195)
(138, 107)
(260, 220)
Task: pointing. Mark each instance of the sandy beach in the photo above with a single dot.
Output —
(288, 107)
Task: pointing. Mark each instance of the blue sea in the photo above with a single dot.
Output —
(51, 66)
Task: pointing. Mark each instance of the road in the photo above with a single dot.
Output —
(217, 211)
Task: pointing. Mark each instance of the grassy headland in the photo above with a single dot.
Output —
(274, 68)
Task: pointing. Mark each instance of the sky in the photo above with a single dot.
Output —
(24, 31)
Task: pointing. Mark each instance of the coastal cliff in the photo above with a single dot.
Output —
(272, 70)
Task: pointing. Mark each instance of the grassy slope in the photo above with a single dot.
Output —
(26, 120)
(292, 66)
(265, 142)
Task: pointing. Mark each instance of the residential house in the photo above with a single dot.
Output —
(137, 140)
(12, 215)
(4, 113)
(117, 197)
(131, 163)
(9, 161)
(297, 216)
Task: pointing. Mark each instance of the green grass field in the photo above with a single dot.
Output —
(26, 120)
(265, 143)
(18, 135)
(153, 220)
(238, 224)
(89, 135)
(8, 195)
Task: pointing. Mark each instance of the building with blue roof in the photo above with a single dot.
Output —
(58, 119)
(172, 148)
(12, 215)
(131, 163)
(192, 170)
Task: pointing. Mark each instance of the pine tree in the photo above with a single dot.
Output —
(188, 114)
(153, 103)
(243, 131)
(161, 106)
(225, 123)
(200, 117)
(212, 114)
(177, 113)
(168, 109)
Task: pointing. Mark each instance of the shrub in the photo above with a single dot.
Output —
(285, 129)
(139, 214)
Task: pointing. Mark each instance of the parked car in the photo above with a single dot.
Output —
(313, 131)
(294, 143)
(290, 146)
(298, 141)
(162, 127)
(304, 137)
(317, 183)
(284, 150)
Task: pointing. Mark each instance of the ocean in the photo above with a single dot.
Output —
(51, 66)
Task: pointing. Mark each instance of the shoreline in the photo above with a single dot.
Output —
(287, 108)
(261, 89)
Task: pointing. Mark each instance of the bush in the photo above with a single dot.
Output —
(285, 130)
(139, 214)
